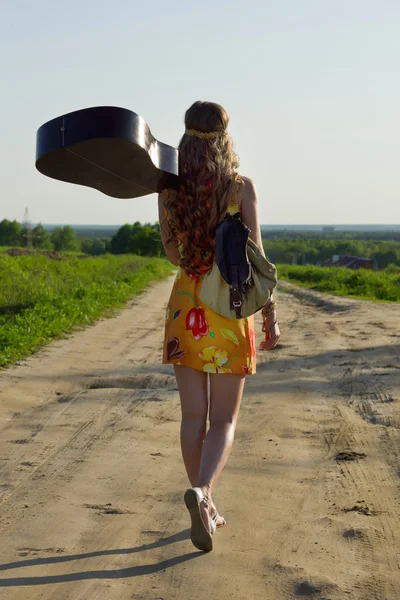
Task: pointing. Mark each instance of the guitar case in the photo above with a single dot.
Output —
(109, 149)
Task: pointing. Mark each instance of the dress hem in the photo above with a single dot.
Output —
(179, 364)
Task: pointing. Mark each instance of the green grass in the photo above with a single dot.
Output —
(371, 285)
(40, 299)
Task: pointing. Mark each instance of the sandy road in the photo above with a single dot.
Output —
(91, 480)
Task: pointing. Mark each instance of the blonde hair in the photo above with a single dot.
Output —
(208, 169)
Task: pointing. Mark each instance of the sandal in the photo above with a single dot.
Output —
(270, 342)
(201, 537)
(215, 519)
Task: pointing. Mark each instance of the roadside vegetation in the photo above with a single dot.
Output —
(361, 283)
(318, 250)
(44, 296)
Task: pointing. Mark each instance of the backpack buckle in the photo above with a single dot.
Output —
(236, 302)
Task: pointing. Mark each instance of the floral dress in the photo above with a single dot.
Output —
(198, 337)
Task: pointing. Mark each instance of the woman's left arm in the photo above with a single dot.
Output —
(171, 251)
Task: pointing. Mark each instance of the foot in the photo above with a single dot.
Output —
(218, 520)
(202, 525)
(209, 512)
(272, 337)
(270, 327)
(206, 517)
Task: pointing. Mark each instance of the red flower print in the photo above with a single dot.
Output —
(245, 370)
(252, 344)
(196, 322)
(173, 350)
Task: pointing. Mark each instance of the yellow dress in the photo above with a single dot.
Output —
(198, 337)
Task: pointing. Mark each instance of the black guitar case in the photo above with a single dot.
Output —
(107, 148)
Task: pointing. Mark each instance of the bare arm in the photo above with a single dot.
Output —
(249, 215)
(171, 251)
(249, 210)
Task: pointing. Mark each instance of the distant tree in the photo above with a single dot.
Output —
(385, 258)
(10, 233)
(95, 246)
(64, 238)
(40, 238)
(144, 240)
(120, 241)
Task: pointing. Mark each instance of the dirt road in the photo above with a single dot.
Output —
(91, 479)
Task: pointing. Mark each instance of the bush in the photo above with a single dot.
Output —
(143, 240)
(95, 246)
(64, 238)
(10, 233)
(40, 238)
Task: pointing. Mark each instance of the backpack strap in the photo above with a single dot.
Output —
(232, 270)
(236, 297)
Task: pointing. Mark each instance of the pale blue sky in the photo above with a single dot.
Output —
(312, 88)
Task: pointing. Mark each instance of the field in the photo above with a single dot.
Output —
(362, 283)
(42, 298)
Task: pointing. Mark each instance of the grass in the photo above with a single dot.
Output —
(365, 284)
(41, 299)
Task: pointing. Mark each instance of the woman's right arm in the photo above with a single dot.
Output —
(249, 211)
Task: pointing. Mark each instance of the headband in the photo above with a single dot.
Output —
(203, 135)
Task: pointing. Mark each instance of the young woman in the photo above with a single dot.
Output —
(211, 354)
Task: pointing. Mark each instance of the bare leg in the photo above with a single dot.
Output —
(192, 385)
(225, 396)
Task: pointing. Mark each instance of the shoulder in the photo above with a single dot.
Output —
(247, 191)
(247, 183)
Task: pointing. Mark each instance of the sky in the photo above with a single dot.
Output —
(312, 88)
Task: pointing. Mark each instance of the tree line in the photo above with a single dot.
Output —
(384, 235)
(145, 240)
(316, 251)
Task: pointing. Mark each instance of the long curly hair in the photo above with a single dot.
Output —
(208, 170)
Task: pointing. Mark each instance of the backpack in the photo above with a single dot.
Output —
(241, 279)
